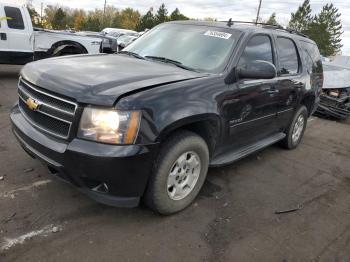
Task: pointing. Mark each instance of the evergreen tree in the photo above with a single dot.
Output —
(50, 11)
(79, 18)
(34, 16)
(93, 22)
(272, 19)
(301, 18)
(325, 28)
(318, 32)
(176, 15)
(117, 20)
(59, 20)
(146, 22)
(329, 19)
(162, 15)
(129, 18)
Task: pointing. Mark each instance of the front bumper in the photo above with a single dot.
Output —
(122, 170)
(334, 107)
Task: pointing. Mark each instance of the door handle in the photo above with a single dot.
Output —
(3, 36)
(273, 91)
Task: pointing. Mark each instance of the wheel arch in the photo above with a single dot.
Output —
(308, 101)
(65, 44)
(207, 126)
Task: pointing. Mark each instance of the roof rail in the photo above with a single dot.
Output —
(230, 22)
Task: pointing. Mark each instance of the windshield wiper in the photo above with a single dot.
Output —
(170, 61)
(136, 55)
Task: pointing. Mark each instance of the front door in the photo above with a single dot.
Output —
(19, 35)
(3, 35)
(252, 107)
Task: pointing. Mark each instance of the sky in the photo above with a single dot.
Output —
(221, 9)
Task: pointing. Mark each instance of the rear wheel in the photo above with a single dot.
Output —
(179, 173)
(296, 129)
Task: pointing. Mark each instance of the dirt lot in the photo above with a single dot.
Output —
(233, 219)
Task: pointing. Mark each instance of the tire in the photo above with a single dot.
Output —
(63, 50)
(290, 141)
(160, 196)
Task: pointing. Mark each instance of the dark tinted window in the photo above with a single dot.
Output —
(312, 57)
(258, 48)
(288, 56)
(15, 20)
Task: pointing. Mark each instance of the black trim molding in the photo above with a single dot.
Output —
(15, 58)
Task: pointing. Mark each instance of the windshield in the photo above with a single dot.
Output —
(199, 47)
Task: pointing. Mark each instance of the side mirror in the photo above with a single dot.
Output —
(257, 69)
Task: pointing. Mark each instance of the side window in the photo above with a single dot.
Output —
(288, 56)
(312, 57)
(15, 20)
(258, 48)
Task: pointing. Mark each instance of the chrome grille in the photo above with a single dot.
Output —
(54, 115)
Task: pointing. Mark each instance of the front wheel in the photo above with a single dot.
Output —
(296, 129)
(179, 173)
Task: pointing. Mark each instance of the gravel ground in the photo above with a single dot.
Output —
(233, 219)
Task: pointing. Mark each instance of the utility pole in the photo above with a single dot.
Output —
(257, 15)
(104, 12)
(41, 13)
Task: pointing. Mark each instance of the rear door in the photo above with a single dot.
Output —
(290, 80)
(19, 34)
(253, 110)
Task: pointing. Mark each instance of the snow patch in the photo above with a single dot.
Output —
(25, 188)
(11, 242)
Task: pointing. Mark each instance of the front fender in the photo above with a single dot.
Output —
(204, 118)
(172, 106)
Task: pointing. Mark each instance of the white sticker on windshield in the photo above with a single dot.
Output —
(218, 34)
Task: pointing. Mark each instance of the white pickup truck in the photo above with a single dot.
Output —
(20, 43)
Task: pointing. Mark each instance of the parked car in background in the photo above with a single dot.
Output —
(125, 40)
(117, 32)
(342, 60)
(335, 98)
(146, 123)
(124, 37)
(109, 43)
(20, 43)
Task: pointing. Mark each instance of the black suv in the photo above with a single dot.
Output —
(146, 123)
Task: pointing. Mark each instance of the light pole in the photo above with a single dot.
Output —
(257, 15)
(104, 12)
(41, 13)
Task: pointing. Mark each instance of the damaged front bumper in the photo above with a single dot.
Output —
(114, 175)
(334, 107)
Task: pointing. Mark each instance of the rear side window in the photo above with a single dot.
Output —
(312, 57)
(15, 20)
(258, 48)
(288, 56)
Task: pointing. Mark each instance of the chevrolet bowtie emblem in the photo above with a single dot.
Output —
(32, 104)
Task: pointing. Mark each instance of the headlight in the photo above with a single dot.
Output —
(109, 126)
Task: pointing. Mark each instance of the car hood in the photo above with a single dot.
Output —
(101, 79)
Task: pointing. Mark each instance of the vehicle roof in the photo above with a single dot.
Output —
(11, 3)
(244, 27)
(109, 29)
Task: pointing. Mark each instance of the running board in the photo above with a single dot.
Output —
(239, 153)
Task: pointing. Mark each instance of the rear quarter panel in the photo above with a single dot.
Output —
(44, 41)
